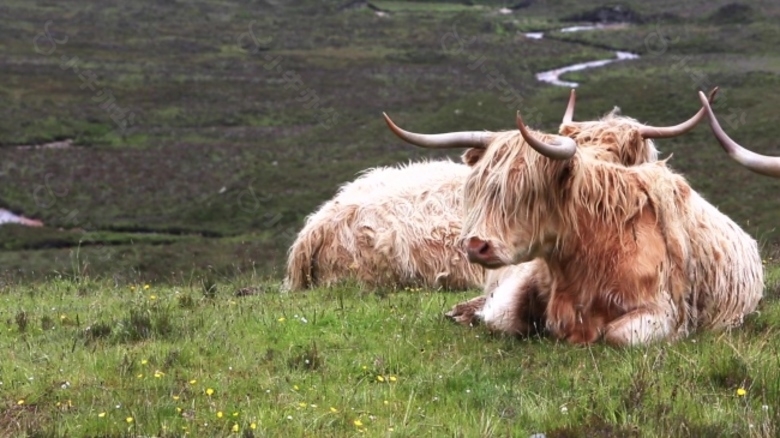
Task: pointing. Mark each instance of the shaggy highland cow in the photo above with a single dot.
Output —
(634, 254)
(393, 226)
(514, 301)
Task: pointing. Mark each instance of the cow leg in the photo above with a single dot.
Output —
(466, 312)
(516, 307)
(640, 326)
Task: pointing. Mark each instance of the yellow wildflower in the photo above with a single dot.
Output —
(20, 402)
(380, 378)
(334, 410)
(393, 379)
(253, 426)
(357, 423)
(152, 297)
(235, 428)
(219, 414)
(235, 414)
(741, 392)
(158, 374)
(129, 419)
(295, 387)
(146, 287)
(102, 414)
(209, 391)
(302, 404)
(144, 361)
(175, 397)
(282, 319)
(193, 381)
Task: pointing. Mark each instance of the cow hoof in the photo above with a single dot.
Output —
(464, 314)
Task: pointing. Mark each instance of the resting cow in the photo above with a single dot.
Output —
(635, 255)
(514, 298)
(393, 226)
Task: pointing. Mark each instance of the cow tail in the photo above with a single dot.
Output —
(302, 261)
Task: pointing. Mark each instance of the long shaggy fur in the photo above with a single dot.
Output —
(393, 226)
(634, 253)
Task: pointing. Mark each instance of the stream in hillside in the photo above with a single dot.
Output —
(553, 76)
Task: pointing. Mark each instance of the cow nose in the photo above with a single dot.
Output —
(478, 250)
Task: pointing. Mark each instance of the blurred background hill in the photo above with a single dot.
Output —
(159, 140)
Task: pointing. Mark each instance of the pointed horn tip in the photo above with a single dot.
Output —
(519, 121)
(390, 124)
(713, 93)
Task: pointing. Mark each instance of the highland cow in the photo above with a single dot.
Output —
(634, 254)
(391, 227)
(514, 301)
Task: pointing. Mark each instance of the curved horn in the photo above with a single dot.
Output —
(562, 149)
(463, 139)
(769, 166)
(682, 128)
(568, 116)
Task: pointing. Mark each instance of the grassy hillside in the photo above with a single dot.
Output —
(218, 153)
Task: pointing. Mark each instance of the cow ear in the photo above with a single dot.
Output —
(472, 156)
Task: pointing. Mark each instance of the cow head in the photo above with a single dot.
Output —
(769, 166)
(514, 172)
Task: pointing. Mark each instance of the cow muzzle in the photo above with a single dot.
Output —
(482, 252)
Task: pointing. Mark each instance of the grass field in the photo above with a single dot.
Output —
(91, 358)
(210, 129)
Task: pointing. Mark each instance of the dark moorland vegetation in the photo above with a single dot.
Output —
(156, 276)
(221, 159)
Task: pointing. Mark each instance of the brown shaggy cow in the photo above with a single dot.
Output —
(635, 255)
(510, 303)
(769, 166)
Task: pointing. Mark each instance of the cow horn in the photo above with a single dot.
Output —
(568, 116)
(682, 128)
(562, 149)
(769, 166)
(463, 139)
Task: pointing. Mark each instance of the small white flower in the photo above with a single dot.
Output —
(763, 407)
(564, 410)
(468, 391)
(289, 417)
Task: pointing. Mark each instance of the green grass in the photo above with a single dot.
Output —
(83, 356)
